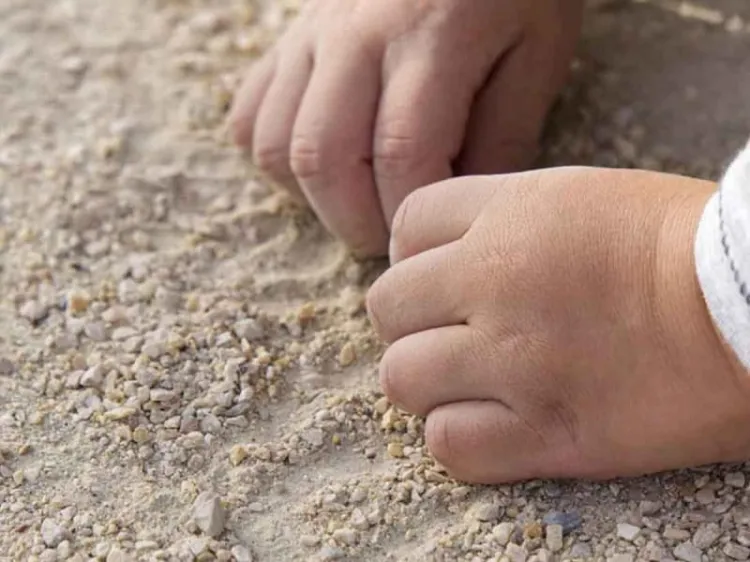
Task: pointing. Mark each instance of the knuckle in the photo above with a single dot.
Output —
(306, 157)
(271, 158)
(397, 151)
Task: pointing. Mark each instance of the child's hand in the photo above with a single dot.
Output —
(551, 325)
(363, 101)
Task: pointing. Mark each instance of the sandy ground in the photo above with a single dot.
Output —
(186, 371)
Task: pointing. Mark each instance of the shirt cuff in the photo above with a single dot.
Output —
(722, 252)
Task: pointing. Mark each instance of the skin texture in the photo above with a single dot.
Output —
(362, 101)
(552, 326)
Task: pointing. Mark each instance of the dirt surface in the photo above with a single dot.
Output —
(186, 370)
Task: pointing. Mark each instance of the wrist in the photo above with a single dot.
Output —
(684, 310)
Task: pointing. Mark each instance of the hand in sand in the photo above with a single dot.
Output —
(363, 101)
(552, 325)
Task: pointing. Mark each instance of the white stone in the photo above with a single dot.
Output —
(502, 533)
(735, 479)
(52, 533)
(554, 537)
(706, 535)
(93, 377)
(688, 552)
(248, 329)
(209, 514)
(242, 554)
(627, 531)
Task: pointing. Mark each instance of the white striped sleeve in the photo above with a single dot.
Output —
(722, 251)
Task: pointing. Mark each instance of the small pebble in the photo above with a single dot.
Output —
(687, 552)
(675, 534)
(169, 301)
(33, 311)
(568, 520)
(358, 495)
(706, 535)
(313, 436)
(237, 454)
(647, 507)
(153, 349)
(330, 553)
(102, 549)
(249, 330)
(95, 331)
(484, 512)
(736, 552)
(242, 554)
(210, 424)
(516, 553)
(346, 536)
(224, 339)
(396, 449)
(554, 537)
(735, 479)
(140, 435)
(64, 550)
(705, 496)
(78, 301)
(93, 377)
(381, 405)
(580, 550)
(627, 531)
(52, 533)
(502, 532)
(121, 413)
(532, 531)
(358, 520)
(347, 355)
(306, 313)
(209, 514)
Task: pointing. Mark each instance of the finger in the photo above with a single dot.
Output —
(509, 114)
(420, 126)
(276, 117)
(332, 144)
(248, 99)
(418, 294)
(485, 442)
(424, 370)
(438, 214)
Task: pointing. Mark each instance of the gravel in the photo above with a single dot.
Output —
(187, 371)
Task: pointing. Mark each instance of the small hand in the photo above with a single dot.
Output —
(363, 101)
